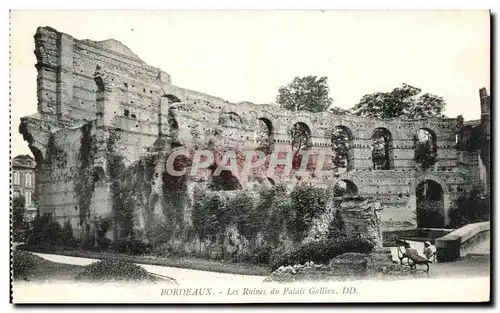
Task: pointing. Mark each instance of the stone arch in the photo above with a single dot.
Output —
(269, 124)
(39, 152)
(382, 143)
(264, 140)
(300, 135)
(444, 187)
(348, 187)
(424, 177)
(430, 205)
(342, 137)
(172, 98)
(302, 119)
(230, 119)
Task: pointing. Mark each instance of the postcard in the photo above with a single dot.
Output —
(232, 156)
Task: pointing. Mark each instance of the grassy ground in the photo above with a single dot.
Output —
(186, 262)
(33, 268)
(45, 270)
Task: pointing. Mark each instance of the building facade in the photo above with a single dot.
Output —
(23, 182)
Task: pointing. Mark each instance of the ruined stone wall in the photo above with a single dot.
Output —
(131, 106)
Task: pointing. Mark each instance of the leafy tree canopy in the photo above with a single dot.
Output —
(308, 93)
(405, 102)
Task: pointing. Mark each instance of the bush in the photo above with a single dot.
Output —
(23, 263)
(472, 207)
(92, 244)
(210, 215)
(261, 255)
(321, 252)
(249, 219)
(130, 246)
(159, 232)
(45, 231)
(114, 270)
(67, 238)
(20, 225)
(306, 203)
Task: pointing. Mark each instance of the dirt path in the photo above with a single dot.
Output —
(179, 274)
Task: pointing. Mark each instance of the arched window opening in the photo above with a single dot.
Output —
(231, 119)
(430, 205)
(225, 181)
(342, 153)
(173, 126)
(382, 153)
(345, 187)
(301, 139)
(172, 98)
(264, 135)
(425, 148)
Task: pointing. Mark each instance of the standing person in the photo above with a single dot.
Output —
(429, 251)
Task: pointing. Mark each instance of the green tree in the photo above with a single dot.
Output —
(425, 149)
(308, 93)
(405, 102)
(301, 135)
(19, 222)
(380, 149)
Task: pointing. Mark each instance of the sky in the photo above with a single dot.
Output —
(248, 55)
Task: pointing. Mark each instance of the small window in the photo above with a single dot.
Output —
(133, 115)
(127, 112)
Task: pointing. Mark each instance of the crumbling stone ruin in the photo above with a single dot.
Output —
(107, 122)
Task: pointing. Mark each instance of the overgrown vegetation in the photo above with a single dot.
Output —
(471, 207)
(20, 225)
(106, 270)
(23, 263)
(122, 210)
(84, 184)
(306, 203)
(45, 231)
(425, 149)
(321, 252)
(210, 215)
(275, 212)
(341, 144)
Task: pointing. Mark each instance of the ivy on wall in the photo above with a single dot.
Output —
(84, 184)
(306, 203)
(272, 213)
(116, 169)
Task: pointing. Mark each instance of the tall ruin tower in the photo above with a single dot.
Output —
(485, 131)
